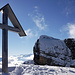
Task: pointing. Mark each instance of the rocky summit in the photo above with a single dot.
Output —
(51, 51)
(70, 43)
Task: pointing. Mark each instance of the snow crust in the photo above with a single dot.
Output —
(26, 69)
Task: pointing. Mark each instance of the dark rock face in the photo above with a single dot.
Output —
(51, 51)
(36, 52)
(70, 43)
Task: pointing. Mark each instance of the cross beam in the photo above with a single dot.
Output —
(13, 29)
(8, 13)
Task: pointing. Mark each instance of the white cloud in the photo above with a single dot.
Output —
(12, 61)
(31, 33)
(71, 30)
(17, 60)
(30, 58)
(36, 7)
(38, 19)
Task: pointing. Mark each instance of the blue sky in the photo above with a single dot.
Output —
(55, 18)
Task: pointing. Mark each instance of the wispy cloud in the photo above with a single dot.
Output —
(30, 33)
(36, 7)
(38, 18)
(68, 7)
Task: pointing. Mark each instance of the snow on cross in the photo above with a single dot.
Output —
(8, 13)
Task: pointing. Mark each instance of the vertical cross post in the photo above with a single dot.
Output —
(5, 42)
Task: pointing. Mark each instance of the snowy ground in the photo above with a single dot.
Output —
(31, 69)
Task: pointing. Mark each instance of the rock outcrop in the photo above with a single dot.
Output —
(51, 51)
(70, 43)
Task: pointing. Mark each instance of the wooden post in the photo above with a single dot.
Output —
(5, 42)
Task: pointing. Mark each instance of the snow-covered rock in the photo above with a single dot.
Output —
(72, 64)
(70, 43)
(51, 51)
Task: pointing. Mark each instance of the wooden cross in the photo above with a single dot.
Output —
(8, 13)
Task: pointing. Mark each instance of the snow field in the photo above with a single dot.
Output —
(31, 69)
